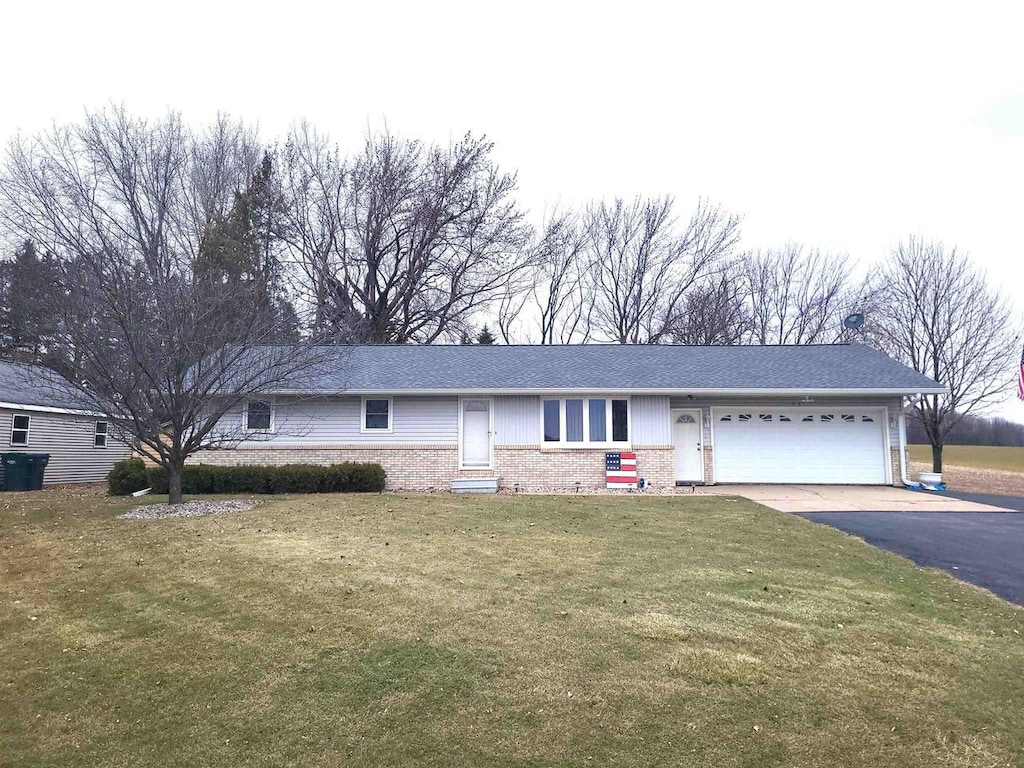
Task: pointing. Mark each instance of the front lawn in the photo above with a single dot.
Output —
(489, 631)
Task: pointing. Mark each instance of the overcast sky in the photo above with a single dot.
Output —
(843, 127)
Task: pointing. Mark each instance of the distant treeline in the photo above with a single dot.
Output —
(973, 430)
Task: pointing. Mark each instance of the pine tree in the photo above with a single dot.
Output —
(26, 329)
(485, 336)
(240, 247)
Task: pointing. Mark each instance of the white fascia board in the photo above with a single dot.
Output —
(49, 409)
(738, 392)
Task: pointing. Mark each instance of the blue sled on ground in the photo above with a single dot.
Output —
(923, 487)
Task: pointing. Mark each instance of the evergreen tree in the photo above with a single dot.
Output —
(26, 328)
(485, 336)
(241, 248)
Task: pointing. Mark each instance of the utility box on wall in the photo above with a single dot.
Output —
(620, 470)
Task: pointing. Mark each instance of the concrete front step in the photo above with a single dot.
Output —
(475, 485)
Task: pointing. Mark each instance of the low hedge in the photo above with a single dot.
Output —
(348, 477)
(127, 476)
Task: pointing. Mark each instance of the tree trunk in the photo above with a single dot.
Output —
(937, 458)
(174, 483)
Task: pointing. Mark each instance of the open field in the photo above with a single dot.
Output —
(976, 456)
(975, 468)
(504, 631)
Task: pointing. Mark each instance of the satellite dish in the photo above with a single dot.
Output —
(854, 321)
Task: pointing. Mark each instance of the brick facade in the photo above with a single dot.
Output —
(429, 467)
(420, 467)
(532, 468)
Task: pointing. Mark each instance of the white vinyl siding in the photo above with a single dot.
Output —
(70, 441)
(652, 423)
(515, 420)
(423, 420)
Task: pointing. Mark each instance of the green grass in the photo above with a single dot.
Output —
(976, 456)
(497, 631)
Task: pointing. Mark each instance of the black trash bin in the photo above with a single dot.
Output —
(17, 471)
(39, 462)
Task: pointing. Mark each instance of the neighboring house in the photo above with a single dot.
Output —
(43, 413)
(544, 416)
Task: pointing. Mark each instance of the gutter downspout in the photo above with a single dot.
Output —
(903, 454)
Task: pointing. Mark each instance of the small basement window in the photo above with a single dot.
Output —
(259, 416)
(99, 439)
(376, 414)
(19, 430)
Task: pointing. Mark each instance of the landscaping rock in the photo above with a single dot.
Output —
(196, 508)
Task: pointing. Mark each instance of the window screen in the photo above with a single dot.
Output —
(257, 415)
(620, 421)
(19, 430)
(552, 421)
(378, 414)
(598, 423)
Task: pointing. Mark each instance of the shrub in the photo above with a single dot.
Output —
(290, 478)
(127, 476)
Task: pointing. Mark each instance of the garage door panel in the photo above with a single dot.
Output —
(799, 446)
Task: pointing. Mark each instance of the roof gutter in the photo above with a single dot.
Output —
(744, 392)
(48, 409)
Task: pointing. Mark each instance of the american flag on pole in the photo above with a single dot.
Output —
(1020, 377)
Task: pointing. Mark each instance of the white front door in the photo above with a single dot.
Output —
(476, 432)
(686, 437)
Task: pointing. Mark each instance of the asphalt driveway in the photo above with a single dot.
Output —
(978, 538)
(984, 548)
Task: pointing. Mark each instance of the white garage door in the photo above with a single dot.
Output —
(769, 445)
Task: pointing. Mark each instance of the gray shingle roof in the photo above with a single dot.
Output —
(612, 367)
(35, 385)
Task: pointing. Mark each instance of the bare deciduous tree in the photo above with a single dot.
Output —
(553, 293)
(404, 242)
(796, 296)
(642, 264)
(126, 207)
(713, 313)
(939, 315)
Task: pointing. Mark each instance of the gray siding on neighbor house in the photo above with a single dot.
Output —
(894, 404)
(68, 439)
(336, 421)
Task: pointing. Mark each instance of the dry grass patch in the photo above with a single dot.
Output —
(512, 631)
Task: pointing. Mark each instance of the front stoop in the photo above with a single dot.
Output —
(475, 485)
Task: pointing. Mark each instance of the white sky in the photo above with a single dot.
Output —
(845, 127)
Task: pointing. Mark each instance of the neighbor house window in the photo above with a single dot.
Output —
(99, 439)
(259, 416)
(376, 414)
(585, 421)
(19, 430)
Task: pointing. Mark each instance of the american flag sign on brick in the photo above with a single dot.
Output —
(620, 470)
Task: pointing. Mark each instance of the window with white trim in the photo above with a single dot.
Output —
(99, 438)
(259, 416)
(376, 415)
(19, 430)
(585, 421)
